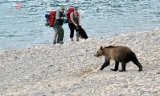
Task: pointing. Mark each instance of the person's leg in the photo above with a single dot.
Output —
(71, 27)
(77, 35)
(60, 34)
(55, 35)
(78, 29)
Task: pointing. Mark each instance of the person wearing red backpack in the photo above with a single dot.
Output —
(74, 21)
(58, 26)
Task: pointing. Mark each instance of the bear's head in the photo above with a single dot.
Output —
(100, 52)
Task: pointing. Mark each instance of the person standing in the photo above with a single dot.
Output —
(74, 22)
(59, 31)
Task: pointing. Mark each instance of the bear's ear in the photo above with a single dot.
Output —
(101, 48)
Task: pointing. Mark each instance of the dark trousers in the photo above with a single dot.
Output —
(72, 27)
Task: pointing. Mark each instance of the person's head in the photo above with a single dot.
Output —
(62, 9)
(75, 8)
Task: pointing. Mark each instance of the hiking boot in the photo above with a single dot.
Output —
(77, 39)
(54, 43)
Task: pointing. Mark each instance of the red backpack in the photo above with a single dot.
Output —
(52, 18)
(70, 10)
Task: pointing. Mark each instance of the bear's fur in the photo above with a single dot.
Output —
(120, 54)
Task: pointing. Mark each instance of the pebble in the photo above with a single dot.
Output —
(69, 69)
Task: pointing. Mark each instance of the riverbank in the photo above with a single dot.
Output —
(71, 69)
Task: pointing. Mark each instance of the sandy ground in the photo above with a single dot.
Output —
(71, 69)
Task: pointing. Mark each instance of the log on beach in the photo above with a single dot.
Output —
(71, 69)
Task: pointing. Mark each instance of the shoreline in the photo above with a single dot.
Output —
(71, 68)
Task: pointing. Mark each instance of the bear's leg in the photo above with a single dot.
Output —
(123, 67)
(135, 61)
(106, 63)
(116, 66)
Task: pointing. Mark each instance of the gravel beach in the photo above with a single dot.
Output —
(71, 69)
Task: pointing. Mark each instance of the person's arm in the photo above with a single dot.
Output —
(78, 19)
(65, 14)
(57, 15)
(71, 17)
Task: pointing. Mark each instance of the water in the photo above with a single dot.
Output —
(25, 27)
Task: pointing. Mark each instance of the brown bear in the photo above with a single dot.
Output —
(120, 54)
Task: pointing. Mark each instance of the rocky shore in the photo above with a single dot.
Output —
(71, 69)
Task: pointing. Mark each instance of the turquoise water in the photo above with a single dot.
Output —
(24, 27)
